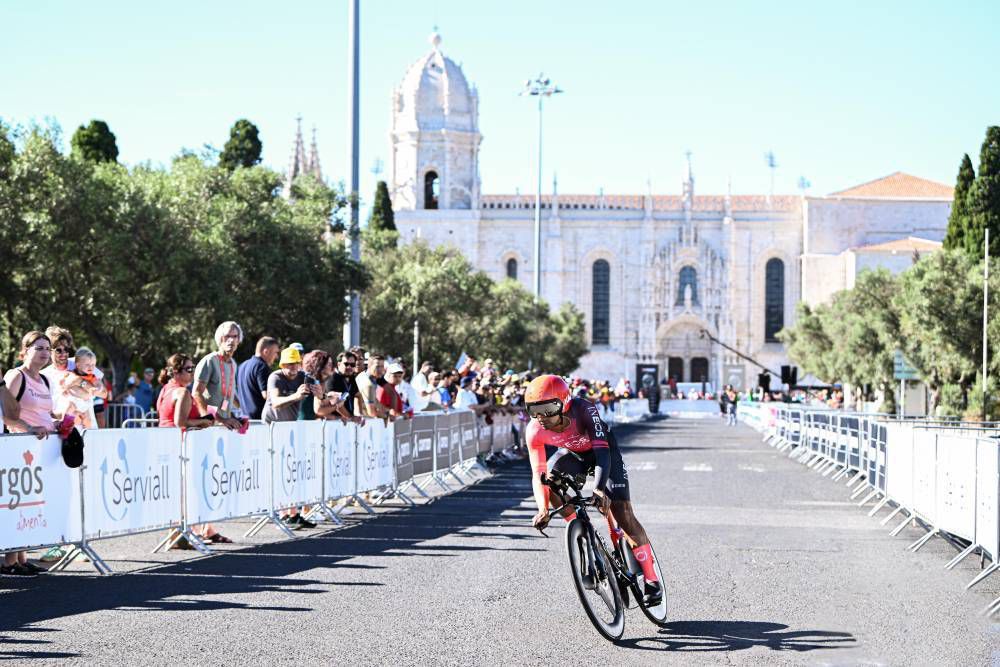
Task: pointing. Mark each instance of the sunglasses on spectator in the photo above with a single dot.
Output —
(63, 350)
(545, 408)
(187, 369)
(347, 365)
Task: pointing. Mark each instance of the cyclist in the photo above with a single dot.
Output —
(584, 444)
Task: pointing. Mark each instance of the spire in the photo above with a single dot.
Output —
(687, 189)
(313, 164)
(297, 165)
(554, 211)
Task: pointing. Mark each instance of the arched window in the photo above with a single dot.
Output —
(600, 329)
(512, 268)
(688, 276)
(431, 186)
(774, 299)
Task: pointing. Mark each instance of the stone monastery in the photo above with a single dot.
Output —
(734, 265)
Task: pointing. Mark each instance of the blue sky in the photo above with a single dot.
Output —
(841, 92)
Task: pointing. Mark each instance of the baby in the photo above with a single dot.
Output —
(79, 388)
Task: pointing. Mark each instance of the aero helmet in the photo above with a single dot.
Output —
(547, 388)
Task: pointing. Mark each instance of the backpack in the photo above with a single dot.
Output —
(24, 383)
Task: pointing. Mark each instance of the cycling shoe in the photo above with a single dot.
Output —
(653, 594)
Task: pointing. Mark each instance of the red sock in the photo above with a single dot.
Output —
(644, 555)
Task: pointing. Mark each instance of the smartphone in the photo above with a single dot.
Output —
(344, 395)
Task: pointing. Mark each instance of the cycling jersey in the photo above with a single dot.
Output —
(585, 433)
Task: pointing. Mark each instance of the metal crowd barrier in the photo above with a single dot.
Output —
(941, 474)
(152, 479)
(630, 410)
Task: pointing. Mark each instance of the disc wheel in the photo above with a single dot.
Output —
(658, 614)
(597, 586)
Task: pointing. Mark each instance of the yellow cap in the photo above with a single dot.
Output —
(290, 355)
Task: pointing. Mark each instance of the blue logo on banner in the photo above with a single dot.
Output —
(115, 471)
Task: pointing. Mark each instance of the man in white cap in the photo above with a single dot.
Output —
(388, 394)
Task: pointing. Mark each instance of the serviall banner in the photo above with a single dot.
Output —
(340, 459)
(39, 495)
(132, 480)
(375, 460)
(227, 473)
(297, 470)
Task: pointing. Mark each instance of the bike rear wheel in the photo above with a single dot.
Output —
(598, 589)
(657, 614)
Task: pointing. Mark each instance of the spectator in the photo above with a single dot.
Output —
(387, 393)
(466, 396)
(731, 401)
(60, 368)
(419, 380)
(411, 397)
(175, 407)
(130, 387)
(318, 367)
(144, 392)
(343, 385)
(286, 388)
(368, 384)
(79, 388)
(445, 399)
(31, 414)
(251, 377)
(215, 377)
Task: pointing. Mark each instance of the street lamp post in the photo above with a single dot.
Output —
(352, 329)
(540, 87)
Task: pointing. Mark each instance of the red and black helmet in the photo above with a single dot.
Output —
(547, 389)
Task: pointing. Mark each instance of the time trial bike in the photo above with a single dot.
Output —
(603, 577)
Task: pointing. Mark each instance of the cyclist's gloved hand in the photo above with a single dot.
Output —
(541, 520)
(602, 501)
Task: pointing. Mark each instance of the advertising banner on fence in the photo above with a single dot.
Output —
(402, 433)
(442, 440)
(298, 461)
(375, 460)
(467, 422)
(227, 473)
(988, 496)
(340, 459)
(39, 495)
(423, 444)
(955, 507)
(132, 480)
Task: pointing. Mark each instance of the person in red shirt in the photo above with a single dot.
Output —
(387, 395)
(584, 444)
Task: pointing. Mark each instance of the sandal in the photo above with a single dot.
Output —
(219, 538)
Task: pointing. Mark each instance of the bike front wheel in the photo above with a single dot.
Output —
(657, 614)
(595, 580)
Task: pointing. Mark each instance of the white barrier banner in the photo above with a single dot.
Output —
(340, 459)
(298, 459)
(924, 472)
(988, 496)
(132, 480)
(39, 495)
(227, 473)
(955, 509)
(375, 467)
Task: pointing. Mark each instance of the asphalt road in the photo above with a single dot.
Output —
(767, 563)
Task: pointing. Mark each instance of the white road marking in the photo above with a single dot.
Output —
(752, 468)
(697, 467)
(643, 465)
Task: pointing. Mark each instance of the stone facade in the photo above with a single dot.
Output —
(651, 272)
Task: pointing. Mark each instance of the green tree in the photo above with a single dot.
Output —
(809, 343)
(940, 322)
(984, 198)
(95, 142)
(381, 216)
(243, 147)
(958, 220)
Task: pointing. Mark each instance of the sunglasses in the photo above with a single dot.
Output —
(63, 350)
(347, 365)
(545, 408)
(187, 369)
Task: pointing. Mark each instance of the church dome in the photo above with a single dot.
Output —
(435, 95)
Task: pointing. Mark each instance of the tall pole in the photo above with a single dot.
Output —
(539, 87)
(538, 210)
(352, 329)
(416, 347)
(986, 292)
